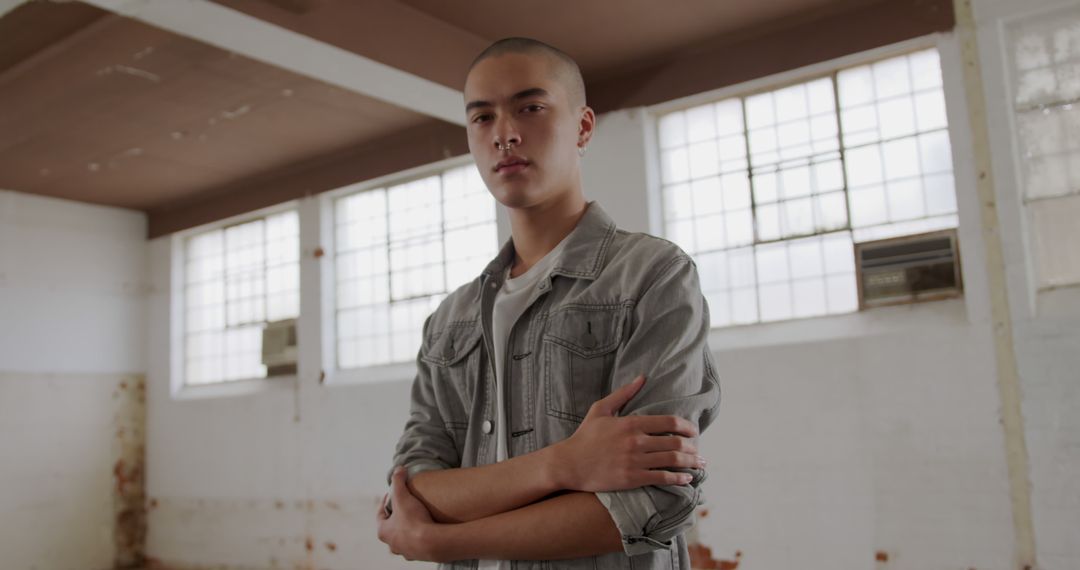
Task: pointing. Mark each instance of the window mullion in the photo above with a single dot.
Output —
(843, 148)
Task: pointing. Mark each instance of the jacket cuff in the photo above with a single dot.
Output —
(632, 510)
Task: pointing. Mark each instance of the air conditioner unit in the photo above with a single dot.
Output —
(279, 347)
(909, 269)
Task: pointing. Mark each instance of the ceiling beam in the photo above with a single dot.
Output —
(9, 5)
(251, 37)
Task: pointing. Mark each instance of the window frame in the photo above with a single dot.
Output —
(394, 371)
(781, 80)
(178, 386)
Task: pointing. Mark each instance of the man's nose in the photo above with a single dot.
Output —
(506, 133)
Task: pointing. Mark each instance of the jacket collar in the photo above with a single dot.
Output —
(581, 257)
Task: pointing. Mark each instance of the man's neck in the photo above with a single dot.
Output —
(537, 230)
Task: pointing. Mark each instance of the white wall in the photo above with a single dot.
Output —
(840, 439)
(72, 299)
(1046, 323)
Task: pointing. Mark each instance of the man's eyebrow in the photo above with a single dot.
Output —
(531, 92)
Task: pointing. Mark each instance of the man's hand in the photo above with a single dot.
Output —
(407, 531)
(611, 453)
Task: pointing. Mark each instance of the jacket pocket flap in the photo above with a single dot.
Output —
(452, 344)
(586, 331)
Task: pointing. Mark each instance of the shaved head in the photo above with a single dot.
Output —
(563, 66)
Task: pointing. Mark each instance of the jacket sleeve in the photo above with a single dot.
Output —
(668, 342)
(425, 444)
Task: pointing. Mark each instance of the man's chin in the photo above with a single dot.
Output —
(517, 197)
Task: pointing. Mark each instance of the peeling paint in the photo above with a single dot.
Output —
(129, 500)
(236, 113)
(701, 559)
(128, 70)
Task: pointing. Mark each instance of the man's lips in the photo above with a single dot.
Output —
(513, 164)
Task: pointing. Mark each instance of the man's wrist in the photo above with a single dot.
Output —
(554, 467)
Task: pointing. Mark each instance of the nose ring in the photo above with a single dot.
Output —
(500, 146)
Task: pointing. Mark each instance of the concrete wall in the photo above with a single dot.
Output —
(72, 301)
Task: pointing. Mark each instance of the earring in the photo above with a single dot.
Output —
(581, 151)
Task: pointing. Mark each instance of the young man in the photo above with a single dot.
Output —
(515, 449)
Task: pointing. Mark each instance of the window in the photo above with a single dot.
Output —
(770, 191)
(237, 279)
(398, 252)
(1045, 57)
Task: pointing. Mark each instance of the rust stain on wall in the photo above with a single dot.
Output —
(881, 556)
(331, 546)
(129, 498)
(701, 558)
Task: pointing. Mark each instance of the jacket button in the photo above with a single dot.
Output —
(486, 426)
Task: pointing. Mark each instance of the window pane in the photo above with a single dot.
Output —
(864, 151)
(439, 233)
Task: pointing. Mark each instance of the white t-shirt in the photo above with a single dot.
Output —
(510, 302)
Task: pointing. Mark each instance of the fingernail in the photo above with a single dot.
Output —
(687, 478)
(701, 460)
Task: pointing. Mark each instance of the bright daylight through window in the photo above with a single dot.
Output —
(399, 251)
(237, 279)
(769, 192)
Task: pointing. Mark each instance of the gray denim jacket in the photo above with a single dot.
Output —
(614, 305)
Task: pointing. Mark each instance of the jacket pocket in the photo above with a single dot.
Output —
(455, 359)
(579, 350)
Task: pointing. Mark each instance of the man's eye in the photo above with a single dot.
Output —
(480, 118)
(534, 108)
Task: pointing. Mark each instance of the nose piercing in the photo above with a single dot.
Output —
(500, 146)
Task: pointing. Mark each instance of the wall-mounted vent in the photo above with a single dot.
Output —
(279, 347)
(909, 269)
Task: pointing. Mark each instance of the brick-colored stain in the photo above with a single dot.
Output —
(701, 558)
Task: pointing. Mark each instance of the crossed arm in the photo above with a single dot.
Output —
(453, 514)
(613, 478)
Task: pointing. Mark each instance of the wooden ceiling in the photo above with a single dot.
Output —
(154, 112)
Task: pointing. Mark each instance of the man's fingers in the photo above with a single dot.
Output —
(669, 459)
(660, 477)
(666, 424)
(613, 402)
(669, 443)
(398, 485)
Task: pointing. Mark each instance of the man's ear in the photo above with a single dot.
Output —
(587, 125)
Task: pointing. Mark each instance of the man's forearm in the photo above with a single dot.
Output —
(471, 493)
(567, 526)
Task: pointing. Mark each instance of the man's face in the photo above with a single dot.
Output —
(517, 99)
